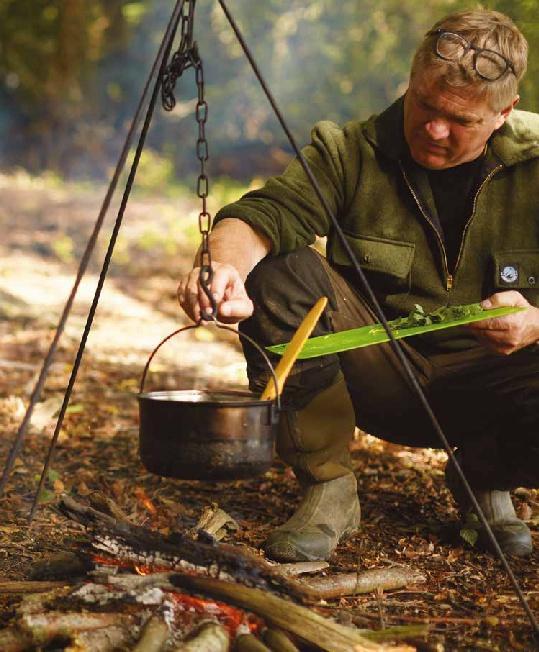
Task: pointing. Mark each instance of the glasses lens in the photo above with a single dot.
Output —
(490, 65)
(450, 46)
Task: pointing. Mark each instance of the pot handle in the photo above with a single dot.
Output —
(222, 327)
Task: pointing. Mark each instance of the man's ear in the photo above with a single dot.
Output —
(505, 113)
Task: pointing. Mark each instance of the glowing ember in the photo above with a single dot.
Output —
(230, 617)
(139, 569)
(188, 608)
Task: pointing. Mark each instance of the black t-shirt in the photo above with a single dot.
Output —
(454, 191)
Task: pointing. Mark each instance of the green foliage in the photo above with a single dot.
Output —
(418, 316)
(71, 72)
(469, 531)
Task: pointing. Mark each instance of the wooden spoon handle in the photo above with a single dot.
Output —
(293, 349)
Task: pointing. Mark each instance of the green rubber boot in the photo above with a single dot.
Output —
(328, 513)
(315, 442)
(512, 534)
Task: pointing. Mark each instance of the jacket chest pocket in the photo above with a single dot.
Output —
(386, 263)
(517, 269)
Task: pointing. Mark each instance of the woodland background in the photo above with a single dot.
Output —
(71, 72)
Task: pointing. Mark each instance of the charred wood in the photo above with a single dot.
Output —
(178, 552)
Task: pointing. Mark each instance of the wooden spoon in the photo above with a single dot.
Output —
(293, 349)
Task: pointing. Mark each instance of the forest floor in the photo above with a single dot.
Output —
(408, 516)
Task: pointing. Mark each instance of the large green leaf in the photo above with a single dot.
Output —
(376, 334)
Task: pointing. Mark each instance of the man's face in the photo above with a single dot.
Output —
(447, 126)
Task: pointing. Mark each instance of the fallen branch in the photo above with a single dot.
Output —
(386, 579)
(301, 567)
(304, 623)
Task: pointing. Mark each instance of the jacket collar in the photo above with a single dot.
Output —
(516, 141)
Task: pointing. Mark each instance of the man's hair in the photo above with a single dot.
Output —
(485, 29)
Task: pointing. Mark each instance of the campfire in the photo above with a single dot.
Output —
(188, 591)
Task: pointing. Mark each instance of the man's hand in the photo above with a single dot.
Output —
(508, 334)
(239, 248)
(228, 290)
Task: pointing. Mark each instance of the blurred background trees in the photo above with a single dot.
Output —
(71, 72)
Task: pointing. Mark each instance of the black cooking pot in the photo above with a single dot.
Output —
(206, 435)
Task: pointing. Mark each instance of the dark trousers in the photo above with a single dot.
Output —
(488, 405)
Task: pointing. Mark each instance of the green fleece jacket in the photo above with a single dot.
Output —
(385, 206)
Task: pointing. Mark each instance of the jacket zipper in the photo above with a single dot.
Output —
(448, 276)
(465, 230)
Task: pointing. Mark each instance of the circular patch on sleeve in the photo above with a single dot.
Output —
(509, 274)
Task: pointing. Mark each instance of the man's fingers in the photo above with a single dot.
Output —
(493, 324)
(506, 298)
(237, 308)
(224, 277)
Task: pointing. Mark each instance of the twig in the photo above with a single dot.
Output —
(380, 599)
(30, 587)
(335, 586)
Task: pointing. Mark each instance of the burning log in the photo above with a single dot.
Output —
(154, 636)
(335, 586)
(210, 637)
(105, 639)
(43, 628)
(249, 643)
(179, 552)
(304, 623)
(278, 641)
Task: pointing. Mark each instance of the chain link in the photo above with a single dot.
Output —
(186, 57)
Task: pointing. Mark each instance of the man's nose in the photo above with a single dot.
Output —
(437, 129)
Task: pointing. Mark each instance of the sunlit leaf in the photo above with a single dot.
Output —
(401, 327)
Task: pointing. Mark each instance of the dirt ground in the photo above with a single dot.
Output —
(408, 516)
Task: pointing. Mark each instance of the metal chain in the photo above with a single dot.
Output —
(186, 57)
